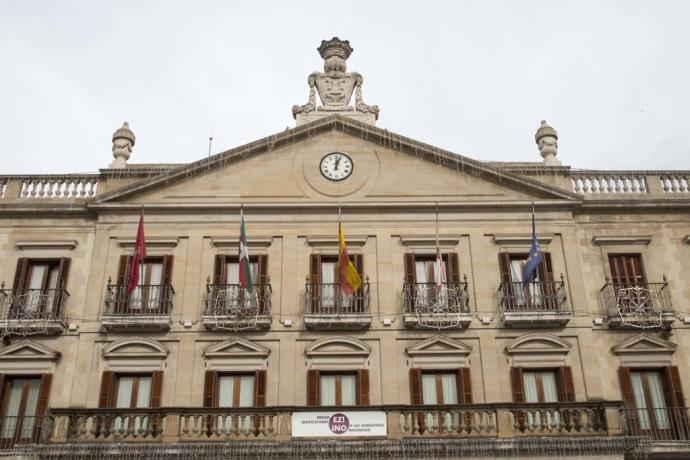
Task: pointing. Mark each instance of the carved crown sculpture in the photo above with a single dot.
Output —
(123, 141)
(547, 141)
(335, 87)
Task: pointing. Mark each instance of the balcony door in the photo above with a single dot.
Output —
(326, 295)
(234, 390)
(627, 270)
(226, 293)
(440, 387)
(538, 295)
(24, 402)
(421, 279)
(334, 388)
(153, 294)
(37, 289)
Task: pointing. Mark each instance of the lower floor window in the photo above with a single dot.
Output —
(648, 392)
(439, 388)
(19, 407)
(235, 390)
(338, 389)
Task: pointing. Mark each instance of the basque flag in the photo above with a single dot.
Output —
(529, 272)
(245, 266)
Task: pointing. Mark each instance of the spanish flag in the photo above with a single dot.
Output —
(349, 279)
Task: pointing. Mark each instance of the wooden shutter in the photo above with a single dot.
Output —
(167, 270)
(44, 394)
(260, 388)
(453, 268)
(464, 386)
(517, 384)
(363, 387)
(3, 379)
(262, 263)
(220, 275)
(504, 265)
(626, 269)
(21, 274)
(107, 389)
(673, 387)
(416, 386)
(123, 269)
(566, 387)
(626, 386)
(312, 387)
(315, 282)
(410, 274)
(545, 269)
(156, 388)
(210, 389)
(63, 272)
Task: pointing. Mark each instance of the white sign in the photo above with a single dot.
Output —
(345, 423)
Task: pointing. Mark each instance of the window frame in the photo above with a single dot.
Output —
(135, 389)
(338, 387)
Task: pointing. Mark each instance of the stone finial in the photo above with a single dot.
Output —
(123, 141)
(547, 141)
(335, 87)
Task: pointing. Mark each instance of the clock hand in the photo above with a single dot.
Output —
(337, 160)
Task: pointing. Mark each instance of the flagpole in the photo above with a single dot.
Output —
(141, 265)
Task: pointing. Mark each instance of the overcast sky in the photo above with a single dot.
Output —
(474, 77)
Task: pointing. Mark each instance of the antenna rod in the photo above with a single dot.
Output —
(210, 141)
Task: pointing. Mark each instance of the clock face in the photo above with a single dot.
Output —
(336, 166)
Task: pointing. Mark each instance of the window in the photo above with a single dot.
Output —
(153, 294)
(430, 387)
(234, 390)
(130, 391)
(38, 287)
(655, 402)
(326, 296)
(421, 280)
(540, 293)
(226, 293)
(540, 386)
(626, 270)
(543, 385)
(325, 388)
(24, 402)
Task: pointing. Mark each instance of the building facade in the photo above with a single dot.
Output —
(458, 359)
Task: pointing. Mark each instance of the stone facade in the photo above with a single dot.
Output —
(389, 204)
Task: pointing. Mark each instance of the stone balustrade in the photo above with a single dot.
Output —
(501, 420)
(675, 183)
(609, 182)
(49, 187)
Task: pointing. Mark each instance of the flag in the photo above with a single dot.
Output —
(529, 272)
(349, 279)
(440, 270)
(244, 265)
(138, 258)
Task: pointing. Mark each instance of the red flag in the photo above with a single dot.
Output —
(138, 258)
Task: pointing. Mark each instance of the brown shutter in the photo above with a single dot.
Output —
(2, 384)
(44, 395)
(156, 388)
(453, 268)
(312, 387)
(363, 387)
(626, 269)
(210, 391)
(626, 386)
(315, 281)
(123, 269)
(464, 386)
(21, 274)
(410, 276)
(167, 270)
(506, 280)
(260, 393)
(410, 280)
(504, 265)
(415, 386)
(219, 269)
(566, 387)
(545, 269)
(107, 388)
(675, 391)
(357, 261)
(518, 385)
(262, 262)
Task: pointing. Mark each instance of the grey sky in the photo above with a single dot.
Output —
(473, 77)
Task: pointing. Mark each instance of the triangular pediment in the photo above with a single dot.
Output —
(644, 343)
(135, 347)
(28, 350)
(285, 167)
(439, 345)
(538, 343)
(338, 346)
(236, 347)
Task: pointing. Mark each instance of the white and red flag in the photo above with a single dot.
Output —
(245, 266)
(138, 258)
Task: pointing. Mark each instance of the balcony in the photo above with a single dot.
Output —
(328, 308)
(18, 431)
(33, 311)
(666, 430)
(539, 304)
(428, 306)
(147, 308)
(643, 305)
(231, 307)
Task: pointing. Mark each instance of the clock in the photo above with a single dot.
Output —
(336, 166)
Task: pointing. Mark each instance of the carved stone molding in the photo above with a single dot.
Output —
(332, 240)
(337, 353)
(645, 350)
(69, 245)
(27, 357)
(234, 242)
(439, 352)
(521, 239)
(444, 241)
(621, 239)
(151, 242)
(236, 354)
(538, 349)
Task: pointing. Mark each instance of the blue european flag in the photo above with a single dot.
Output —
(529, 273)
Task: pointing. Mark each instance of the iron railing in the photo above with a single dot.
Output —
(15, 431)
(429, 298)
(535, 297)
(145, 300)
(329, 299)
(232, 300)
(33, 304)
(661, 424)
(633, 299)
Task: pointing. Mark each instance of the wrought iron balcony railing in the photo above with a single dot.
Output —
(329, 299)
(661, 424)
(428, 298)
(233, 301)
(145, 300)
(33, 304)
(15, 431)
(536, 297)
(637, 303)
